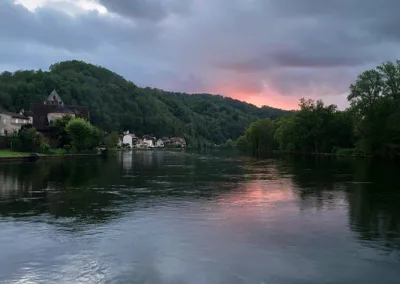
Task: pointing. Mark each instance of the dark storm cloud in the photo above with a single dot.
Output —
(154, 10)
(57, 29)
(292, 45)
(146, 9)
(379, 18)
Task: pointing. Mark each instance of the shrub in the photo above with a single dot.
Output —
(67, 147)
(16, 144)
(58, 131)
(58, 151)
(345, 151)
(83, 135)
(30, 139)
(44, 148)
(112, 140)
(335, 149)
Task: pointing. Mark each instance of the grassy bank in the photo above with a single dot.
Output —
(7, 154)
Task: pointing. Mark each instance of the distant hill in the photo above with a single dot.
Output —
(118, 104)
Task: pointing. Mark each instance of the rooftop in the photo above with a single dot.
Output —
(13, 114)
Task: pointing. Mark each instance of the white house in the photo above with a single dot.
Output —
(160, 143)
(148, 141)
(127, 140)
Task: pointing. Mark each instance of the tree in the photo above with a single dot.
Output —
(112, 140)
(286, 133)
(260, 135)
(58, 130)
(242, 144)
(373, 100)
(26, 140)
(365, 93)
(82, 134)
(390, 75)
(230, 144)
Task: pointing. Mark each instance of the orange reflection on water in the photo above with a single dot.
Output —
(255, 208)
(260, 192)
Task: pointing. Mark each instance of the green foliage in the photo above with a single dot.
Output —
(116, 104)
(375, 105)
(371, 126)
(260, 135)
(58, 151)
(315, 128)
(16, 144)
(58, 131)
(242, 144)
(83, 135)
(345, 151)
(112, 140)
(26, 140)
(229, 144)
(44, 148)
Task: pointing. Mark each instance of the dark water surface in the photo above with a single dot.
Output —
(175, 217)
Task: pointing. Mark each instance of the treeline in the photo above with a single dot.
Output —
(116, 104)
(370, 126)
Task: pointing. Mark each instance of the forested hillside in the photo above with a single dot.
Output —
(118, 104)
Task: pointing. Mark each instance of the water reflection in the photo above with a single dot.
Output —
(177, 217)
(368, 188)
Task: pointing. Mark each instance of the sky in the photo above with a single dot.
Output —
(265, 52)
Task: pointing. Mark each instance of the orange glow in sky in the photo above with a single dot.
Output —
(277, 101)
(267, 96)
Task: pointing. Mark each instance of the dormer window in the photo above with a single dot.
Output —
(53, 99)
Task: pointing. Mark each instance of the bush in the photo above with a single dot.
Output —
(16, 144)
(44, 148)
(67, 147)
(83, 135)
(345, 151)
(242, 144)
(112, 140)
(335, 149)
(58, 151)
(229, 144)
(30, 140)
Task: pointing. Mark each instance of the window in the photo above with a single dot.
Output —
(4, 121)
(16, 120)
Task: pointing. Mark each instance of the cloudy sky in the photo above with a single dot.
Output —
(261, 51)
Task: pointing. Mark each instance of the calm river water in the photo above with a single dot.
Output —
(175, 217)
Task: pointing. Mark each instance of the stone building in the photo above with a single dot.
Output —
(52, 108)
(11, 121)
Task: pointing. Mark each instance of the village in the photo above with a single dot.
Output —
(129, 141)
(41, 116)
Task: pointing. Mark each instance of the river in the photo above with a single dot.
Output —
(175, 217)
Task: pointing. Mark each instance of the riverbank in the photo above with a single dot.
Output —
(9, 155)
(145, 149)
(342, 154)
